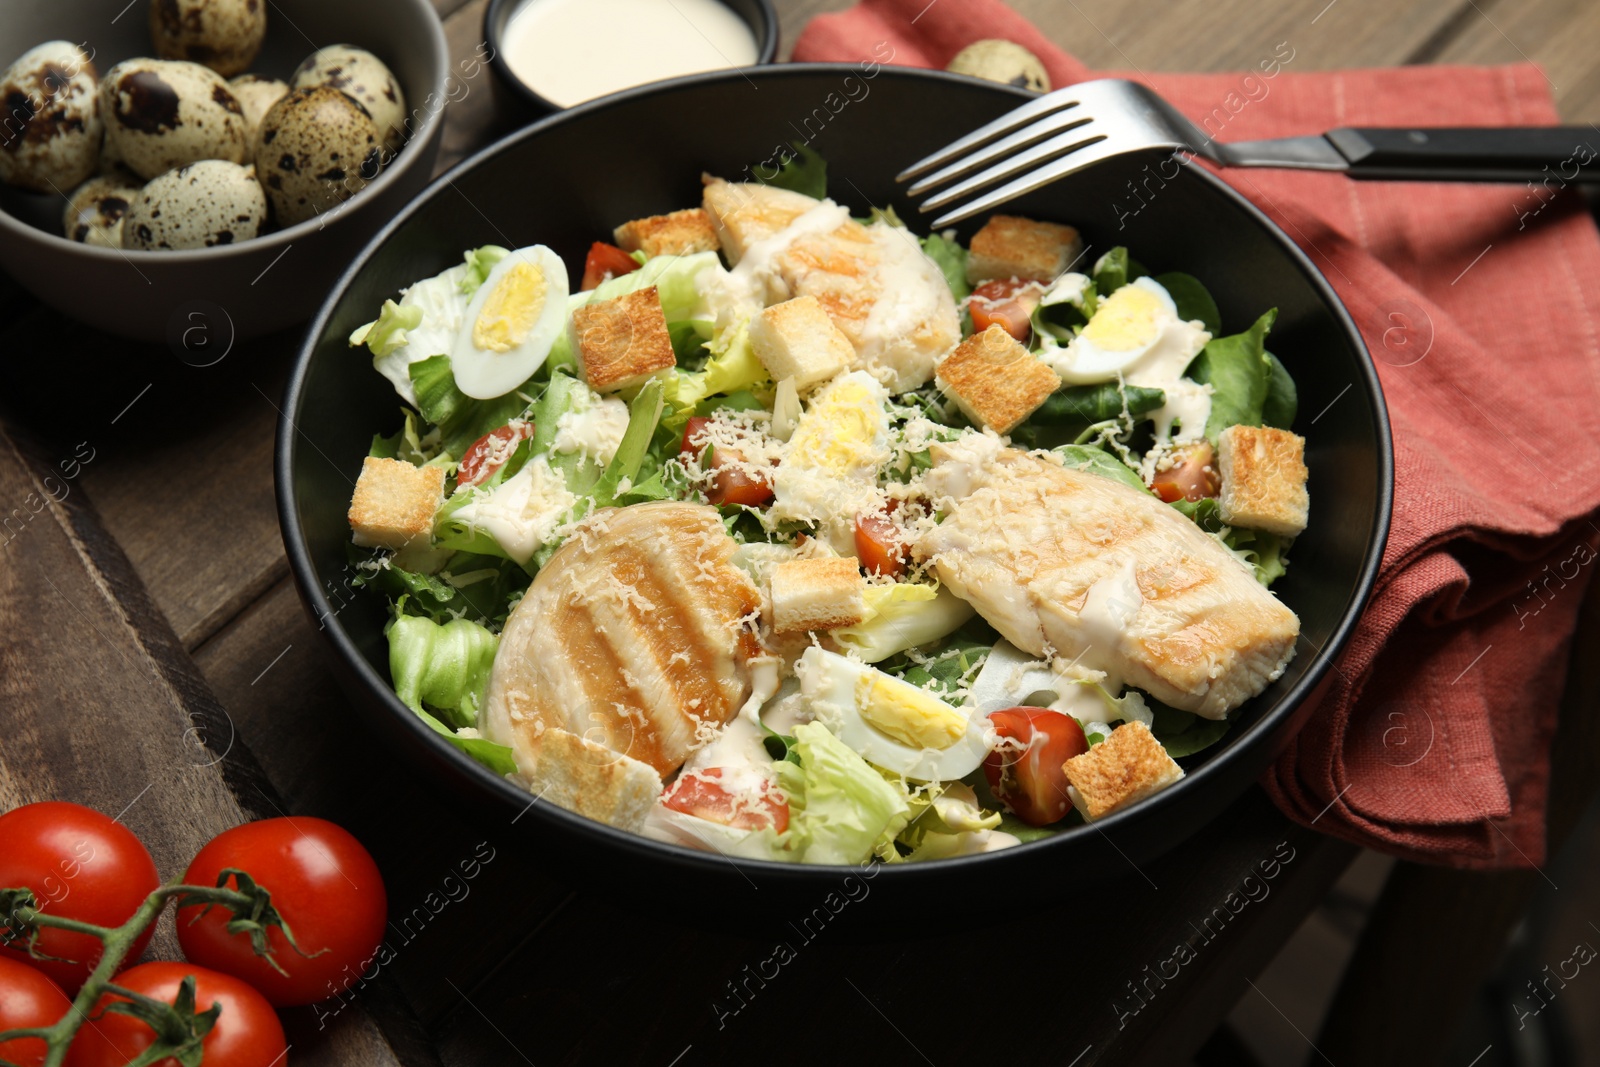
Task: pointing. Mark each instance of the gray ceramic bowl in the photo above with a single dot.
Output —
(252, 287)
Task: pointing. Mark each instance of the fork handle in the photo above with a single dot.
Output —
(1471, 153)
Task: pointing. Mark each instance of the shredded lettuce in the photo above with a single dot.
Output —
(461, 420)
(839, 806)
(643, 415)
(902, 616)
(388, 332)
(480, 261)
(951, 259)
(441, 666)
(733, 366)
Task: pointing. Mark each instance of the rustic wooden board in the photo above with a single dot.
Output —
(1559, 35)
(99, 703)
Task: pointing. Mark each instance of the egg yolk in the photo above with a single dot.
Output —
(908, 714)
(511, 309)
(1129, 318)
(836, 435)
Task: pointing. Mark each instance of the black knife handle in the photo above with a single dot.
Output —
(1555, 155)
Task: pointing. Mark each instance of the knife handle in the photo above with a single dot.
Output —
(1555, 155)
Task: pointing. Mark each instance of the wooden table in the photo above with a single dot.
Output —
(151, 626)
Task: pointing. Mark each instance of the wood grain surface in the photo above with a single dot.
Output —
(172, 605)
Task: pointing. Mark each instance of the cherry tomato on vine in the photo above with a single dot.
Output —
(323, 883)
(28, 1000)
(1031, 781)
(246, 1034)
(80, 865)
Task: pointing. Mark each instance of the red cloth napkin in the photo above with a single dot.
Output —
(1478, 303)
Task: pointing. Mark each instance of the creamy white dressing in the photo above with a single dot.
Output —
(569, 51)
(1109, 607)
(595, 430)
(912, 291)
(754, 282)
(960, 466)
(524, 511)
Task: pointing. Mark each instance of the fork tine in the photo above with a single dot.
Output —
(998, 150)
(1032, 111)
(1032, 180)
(1044, 152)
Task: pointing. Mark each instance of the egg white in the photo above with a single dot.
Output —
(483, 373)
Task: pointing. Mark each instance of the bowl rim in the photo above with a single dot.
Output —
(432, 124)
(709, 864)
(497, 15)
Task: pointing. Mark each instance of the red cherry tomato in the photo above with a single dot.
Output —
(604, 263)
(700, 795)
(323, 883)
(731, 481)
(1031, 781)
(880, 545)
(1192, 476)
(28, 1000)
(489, 453)
(1007, 303)
(246, 1034)
(80, 865)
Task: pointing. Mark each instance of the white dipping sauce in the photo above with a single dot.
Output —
(569, 51)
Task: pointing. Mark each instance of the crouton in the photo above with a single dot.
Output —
(994, 380)
(394, 503)
(1263, 479)
(582, 776)
(681, 233)
(1126, 767)
(1012, 247)
(817, 594)
(796, 339)
(622, 342)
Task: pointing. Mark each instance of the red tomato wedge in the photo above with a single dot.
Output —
(1008, 303)
(1031, 781)
(247, 1033)
(28, 1001)
(700, 795)
(880, 545)
(489, 453)
(731, 482)
(604, 263)
(1192, 476)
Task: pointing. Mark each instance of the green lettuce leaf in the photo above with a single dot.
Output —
(1193, 300)
(1099, 461)
(480, 261)
(733, 366)
(388, 332)
(443, 667)
(952, 261)
(1239, 374)
(494, 756)
(804, 172)
(460, 418)
(1114, 270)
(839, 806)
(1182, 733)
(1082, 405)
(643, 415)
(1283, 399)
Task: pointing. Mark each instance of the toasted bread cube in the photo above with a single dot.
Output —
(1127, 766)
(394, 503)
(583, 776)
(682, 233)
(622, 342)
(1263, 479)
(1012, 247)
(796, 339)
(817, 594)
(995, 381)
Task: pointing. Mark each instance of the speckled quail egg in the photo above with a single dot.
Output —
(212, 202)
(225, 35)
(364, 76)
(316, 149)
(256, 94)
(95, 209)
(50, 137)
(162, 113)
(1002, 61)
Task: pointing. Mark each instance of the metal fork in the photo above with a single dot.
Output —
(1063, 132)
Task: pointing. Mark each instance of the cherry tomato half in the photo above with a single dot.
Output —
(80, 865)
(700, 795)
(605, 262)
(732, 482)
(880, 544)
(1007, 303)
(489, 453)
(28, 1000)
(1192, 476)
(323, 883)
(247, 1032)
(1031, 781)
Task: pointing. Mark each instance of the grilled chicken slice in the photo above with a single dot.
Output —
(635, 636)
(1095, 571)
(874, 281)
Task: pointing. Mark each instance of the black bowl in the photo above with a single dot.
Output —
(757, 14)
(536, 186)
